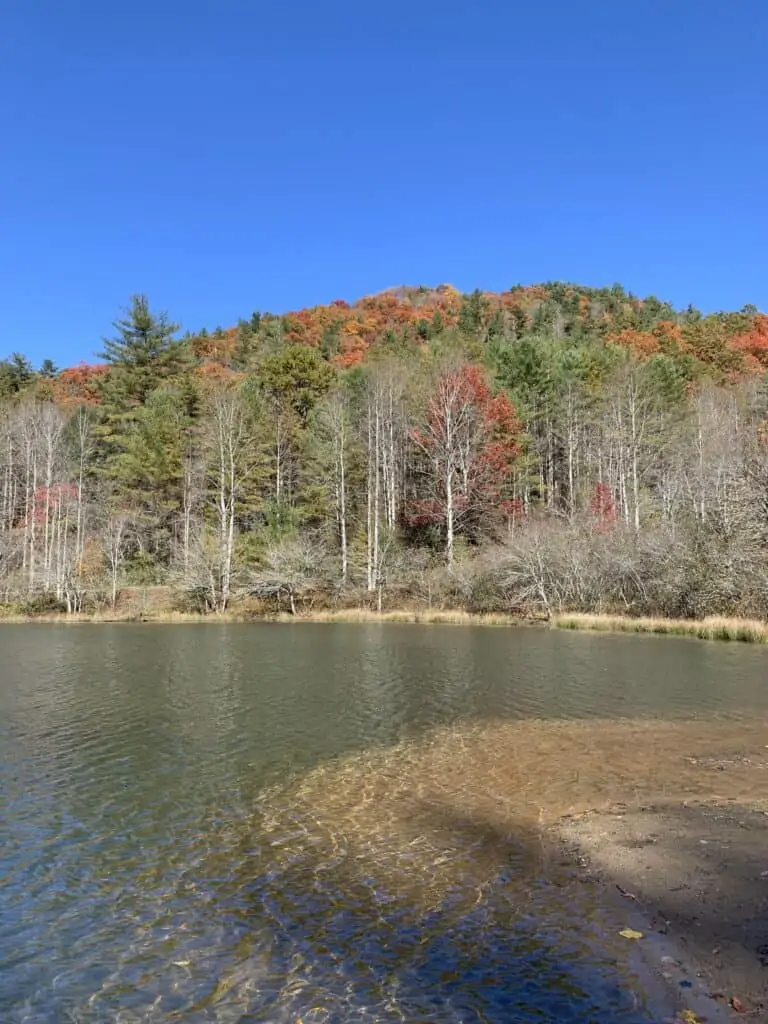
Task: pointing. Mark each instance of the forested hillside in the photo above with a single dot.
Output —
(550, 447)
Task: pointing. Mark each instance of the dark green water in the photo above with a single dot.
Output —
(155, 864)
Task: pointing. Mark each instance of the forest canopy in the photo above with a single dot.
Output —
(551, 447)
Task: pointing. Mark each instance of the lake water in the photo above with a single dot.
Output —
(334, 822)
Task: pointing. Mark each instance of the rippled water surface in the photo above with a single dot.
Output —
(332, 823)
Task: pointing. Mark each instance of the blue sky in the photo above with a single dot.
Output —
(231, 155)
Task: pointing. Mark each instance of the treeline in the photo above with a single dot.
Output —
(548, 448)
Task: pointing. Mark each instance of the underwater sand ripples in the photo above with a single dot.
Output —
(232, 835)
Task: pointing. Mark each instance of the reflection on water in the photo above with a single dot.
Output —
(336, 823)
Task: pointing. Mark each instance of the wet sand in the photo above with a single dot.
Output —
(698, 874)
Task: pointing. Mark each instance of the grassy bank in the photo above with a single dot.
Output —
(744, 630)
(159, 616)
(423, 616)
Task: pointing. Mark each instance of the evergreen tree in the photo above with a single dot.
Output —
(296, 377)
(15, 374)
(474, 308)
(48, 369)
(149, 465)
(143, 352)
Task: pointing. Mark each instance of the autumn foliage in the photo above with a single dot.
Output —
(374, 436)
(603, 507)
(345, 332)
(57, 497)
(752, 345)
(79, 385)
(469, 440)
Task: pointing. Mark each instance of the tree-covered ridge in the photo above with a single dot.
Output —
(720, 344)
(552, 446)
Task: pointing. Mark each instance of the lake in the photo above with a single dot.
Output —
(334, 822)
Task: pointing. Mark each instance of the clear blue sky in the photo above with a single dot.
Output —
(230, 155)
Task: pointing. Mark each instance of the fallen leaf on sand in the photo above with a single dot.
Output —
(630, 933)
(689, 1017)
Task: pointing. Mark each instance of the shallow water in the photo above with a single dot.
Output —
(336, 822)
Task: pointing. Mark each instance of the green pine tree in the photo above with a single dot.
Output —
(143, 352)
(48, 369)
(15, 374)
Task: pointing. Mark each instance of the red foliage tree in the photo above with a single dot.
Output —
(46, 501)
(753, 345)
(79, 385)
(469, 440)
(603, 507)
(641, 344)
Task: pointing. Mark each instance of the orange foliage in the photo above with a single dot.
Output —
(641, 344)
(210, 373)
(669, 337)
(361, 325)
(753, 345)
(345, 333)
(352, 346)
(212, 347)
(79, 385)
(402, 312)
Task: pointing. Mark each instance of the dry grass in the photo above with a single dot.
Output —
(744, 630)
(423, 616)
(752, 631)
(158, 614)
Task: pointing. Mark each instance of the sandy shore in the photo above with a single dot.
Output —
(698, 877)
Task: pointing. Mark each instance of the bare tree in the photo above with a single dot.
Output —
(384, 432)
(115, 538)
(291, 569)
(51, 422)
(332, 427)
(716, 470)
(84, 450)
(231, 456)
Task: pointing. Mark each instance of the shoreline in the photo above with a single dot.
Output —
(715, 628)
(688, 877)
(754, 631)
(422, 617)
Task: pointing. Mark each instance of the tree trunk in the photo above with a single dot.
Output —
(449, 515)
(343, 506)
(376, 492)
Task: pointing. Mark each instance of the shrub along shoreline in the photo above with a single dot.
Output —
(752, 631)
(714, 628)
